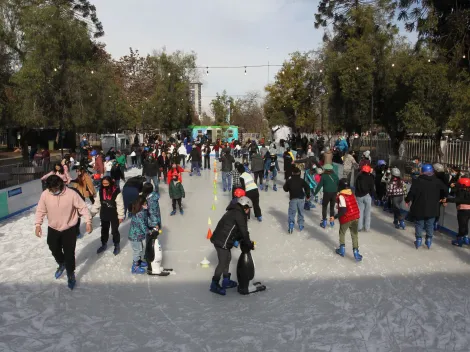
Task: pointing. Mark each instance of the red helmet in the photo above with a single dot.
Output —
(464, 182)
(97, 177)
(366, 169)
(239, 193)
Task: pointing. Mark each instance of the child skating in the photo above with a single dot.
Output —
(462, 200)
(177, 193)
(138, 233)
(299, 192)
(329, 183)
(348, 215)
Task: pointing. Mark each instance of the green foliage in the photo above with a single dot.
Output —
(220, 106)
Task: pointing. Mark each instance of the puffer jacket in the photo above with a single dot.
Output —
(153, 210)
(424, 195)
(176, 190)
(139, 227)
(231, 227)
(257, 163)
(227, 161)
(150, 168)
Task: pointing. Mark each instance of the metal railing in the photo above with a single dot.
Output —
(24, 171)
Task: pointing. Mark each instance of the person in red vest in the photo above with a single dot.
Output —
(348, 215)
(175, 170)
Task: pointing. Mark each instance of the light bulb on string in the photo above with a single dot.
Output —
(207, 72)
(357, 68)
(463, 57)
(321, 71)
(429, 60)
(245, 70)
(92, 72)
(169, 74)
(393, 65)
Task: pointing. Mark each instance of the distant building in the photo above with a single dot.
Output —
(195, 97)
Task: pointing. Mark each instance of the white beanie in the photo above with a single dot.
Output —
(367, 154)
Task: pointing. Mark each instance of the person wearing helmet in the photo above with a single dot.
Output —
(462, 200)
(440, 172)
(396, 189)
(237, 194)
(348, 215)
(299, 193)
(380, 187)
(365, 191)
(231, 229)
(425, 196)
(251, 189)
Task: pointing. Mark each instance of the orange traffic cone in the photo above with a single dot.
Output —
(209, 234)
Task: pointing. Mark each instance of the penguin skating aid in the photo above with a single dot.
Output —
(246, 273)
(154, 256)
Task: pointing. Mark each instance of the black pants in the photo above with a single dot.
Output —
(254, 196)
(329, 198)
(258, 175)
(223, 266)
(207, 162)
(62, 246)
(105, 225)
(287, 173)
(134, 160)
(463, 216)
(182, 160)
(173, 203)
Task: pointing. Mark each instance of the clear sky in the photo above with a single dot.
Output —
(221, 32)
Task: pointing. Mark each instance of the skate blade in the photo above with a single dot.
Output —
(163, 273)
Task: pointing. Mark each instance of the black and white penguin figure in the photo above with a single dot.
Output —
(154, 256)
(246, 272)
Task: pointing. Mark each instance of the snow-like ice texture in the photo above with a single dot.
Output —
(397, 299)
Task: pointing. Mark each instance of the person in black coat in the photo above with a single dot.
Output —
(150, 171)
(231, 229)
(131, 190)
(425, 196)
(163, 165)
(287, 156)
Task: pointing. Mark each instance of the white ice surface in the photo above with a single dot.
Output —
(397, 299)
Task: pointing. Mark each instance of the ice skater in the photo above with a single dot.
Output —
(111, 209)
(299, 193)
(231, 229)
(348, 215)
(138, 233)
(177, 194)
(462, 200)
(62, 206)
(329, 184)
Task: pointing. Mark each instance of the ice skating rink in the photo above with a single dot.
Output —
(396, 299)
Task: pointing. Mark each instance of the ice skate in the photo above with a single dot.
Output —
(275, 188)
(260, 218)
(228, 283)
(291, 227)
(466, 240)
(71, 280)
(216, 288)
(458, 242)
(101, 249)
(357, 256)
(418, 242)
(323, 223)
(117, 249)
(341, 250)
(301, 227)
(137, 269)
(402, 224)
(261, 187)
(428, 242)
(181, 211)
(59, 271)
(173, 213)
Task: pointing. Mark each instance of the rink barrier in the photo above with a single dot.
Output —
(17, 199)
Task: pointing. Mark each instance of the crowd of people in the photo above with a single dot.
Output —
(246, 169)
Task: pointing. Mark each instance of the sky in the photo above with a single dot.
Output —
(221, 32)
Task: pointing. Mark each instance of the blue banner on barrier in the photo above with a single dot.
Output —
(14, 192)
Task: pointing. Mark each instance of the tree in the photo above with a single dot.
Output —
(248, 113)
(206, 120)
(290, 98)
(220, 108)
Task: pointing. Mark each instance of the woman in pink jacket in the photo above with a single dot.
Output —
(62, 206)
(59, 171)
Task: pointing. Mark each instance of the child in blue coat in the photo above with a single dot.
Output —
(138, 233)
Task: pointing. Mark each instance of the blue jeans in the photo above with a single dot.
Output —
(426, 224)
(138, 250)
(155, 180)
(365, 207)
(217, 154)
(195, 165)
(226, 180)
(296, 207)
